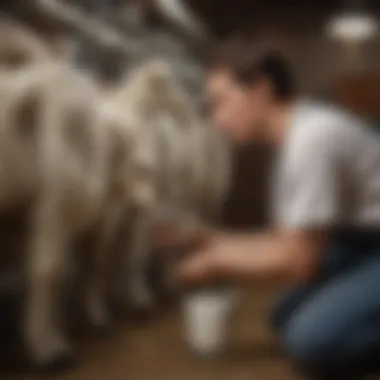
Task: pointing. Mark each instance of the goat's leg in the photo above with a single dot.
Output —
(96, 284)
(49, 237)
(139, 289)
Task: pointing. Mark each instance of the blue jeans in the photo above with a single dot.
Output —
(330, 328)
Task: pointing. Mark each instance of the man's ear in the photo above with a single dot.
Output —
(260, 86)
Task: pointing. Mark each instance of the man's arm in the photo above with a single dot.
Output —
(309, 205)
(289, 256)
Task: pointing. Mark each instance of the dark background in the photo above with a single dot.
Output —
(228, 16)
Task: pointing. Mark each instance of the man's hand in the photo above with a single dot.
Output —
(291, 256)
(207, 263)
(197, 268)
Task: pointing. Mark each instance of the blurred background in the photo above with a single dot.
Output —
(334, 48)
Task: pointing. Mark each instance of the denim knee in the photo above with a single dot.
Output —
(285, 305)
(313, 352)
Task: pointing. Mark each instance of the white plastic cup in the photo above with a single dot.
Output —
(206, 319)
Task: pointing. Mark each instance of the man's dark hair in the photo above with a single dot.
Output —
(248, 60)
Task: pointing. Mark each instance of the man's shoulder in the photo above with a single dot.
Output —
(318, 122)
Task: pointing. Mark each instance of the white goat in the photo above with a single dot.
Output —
(181, 156)
(53, 154)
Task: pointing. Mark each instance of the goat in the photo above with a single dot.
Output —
(53, 151)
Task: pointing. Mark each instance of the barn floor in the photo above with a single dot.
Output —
(155, 350)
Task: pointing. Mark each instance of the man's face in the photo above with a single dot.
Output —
(237, 110)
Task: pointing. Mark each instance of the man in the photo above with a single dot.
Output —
(325, 242)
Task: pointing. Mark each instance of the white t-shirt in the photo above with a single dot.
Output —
(328, 171)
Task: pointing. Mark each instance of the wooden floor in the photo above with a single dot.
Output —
(155, 350)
